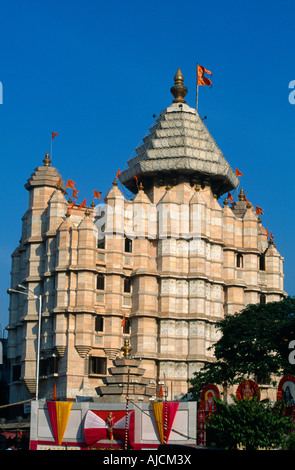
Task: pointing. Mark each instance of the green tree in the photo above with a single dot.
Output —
(248, 425)
(253, 343)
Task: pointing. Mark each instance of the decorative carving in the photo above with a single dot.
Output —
(60, 350)
(83, 350)
(30, 384)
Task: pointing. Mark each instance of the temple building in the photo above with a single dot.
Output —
(158, 269)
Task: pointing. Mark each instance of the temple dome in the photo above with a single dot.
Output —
(180, 143)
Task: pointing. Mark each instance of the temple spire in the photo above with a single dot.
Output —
(179, 90)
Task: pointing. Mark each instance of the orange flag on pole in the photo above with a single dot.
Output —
(201, 79)
(123, 321)
(70, 207)
(118, 173)
(230, 197)
(238, 173)
(259, 210)
(58, 182)
(75, 193)
(83, 204)
(53, 135)
(96, 194)
(70, 184)
(54, 393)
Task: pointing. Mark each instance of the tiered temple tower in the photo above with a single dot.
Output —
(171, 262)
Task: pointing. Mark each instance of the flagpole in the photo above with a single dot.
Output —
(197, 91)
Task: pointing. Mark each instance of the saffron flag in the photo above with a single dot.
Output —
(83, 204)
(267, 233)
(271, 236)
(160, 395)
(238, 173)
(136, 179)
(53, 135)
(63, 410)
(259, 210)
(123, 321)
(70, 184)
(164, 414)
(201, 79)
(229, 196)
(58, 182)
(75, 193)
(158, 414)
(118, 173)
(96, 194)
(70, 207)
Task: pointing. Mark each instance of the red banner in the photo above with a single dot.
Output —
(101, 425)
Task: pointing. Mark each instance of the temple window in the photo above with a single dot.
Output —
(127, 284)
(100, 282)
(128, 245)
(97, 365)
(240, 260)
(262, 298)
(126, 327)
(99, 323)
(101, 241)
(262, 262)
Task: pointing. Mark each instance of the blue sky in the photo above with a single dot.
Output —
(96, 72)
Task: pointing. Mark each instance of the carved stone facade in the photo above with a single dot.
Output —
(172, 261)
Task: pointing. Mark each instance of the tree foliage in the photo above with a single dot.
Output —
(253, 342)
(248, 425)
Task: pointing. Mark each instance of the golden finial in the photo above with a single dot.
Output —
(178, 90)
(242, 195)
(126, 348)
(168, 187)
(115, 182)
(140, 187)
(70, 200)
(47, 160)
(225, 202)
(68, 214)
(87, 212)
(198, 187)
(93, 204)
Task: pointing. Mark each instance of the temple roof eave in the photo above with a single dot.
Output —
(225, 177)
